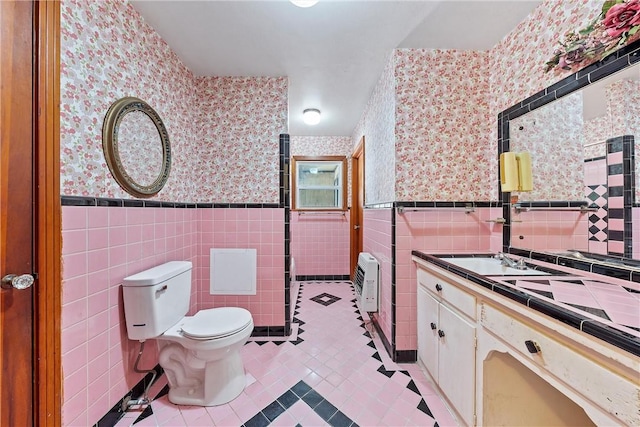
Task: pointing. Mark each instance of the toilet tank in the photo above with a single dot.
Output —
(156, 299)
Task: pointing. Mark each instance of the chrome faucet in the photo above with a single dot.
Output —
(510, 262)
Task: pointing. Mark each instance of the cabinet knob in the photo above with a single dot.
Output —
(438, 287)
(440, 333)
(532, 346)
(433, 326)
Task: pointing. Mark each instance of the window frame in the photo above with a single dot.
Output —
(342, 187)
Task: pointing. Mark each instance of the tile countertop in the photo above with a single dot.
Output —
(602, 306)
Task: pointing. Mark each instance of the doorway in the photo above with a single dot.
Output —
(30, 369)
(357, 204)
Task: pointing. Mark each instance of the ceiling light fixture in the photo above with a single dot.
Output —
(304, 3)
(311, 116)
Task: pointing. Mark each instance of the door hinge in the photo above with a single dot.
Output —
(475, 342)
(35, 275)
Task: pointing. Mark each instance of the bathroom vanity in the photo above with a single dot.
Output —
(502, 355)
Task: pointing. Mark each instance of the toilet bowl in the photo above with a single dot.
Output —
(206, 347)
(200, 354)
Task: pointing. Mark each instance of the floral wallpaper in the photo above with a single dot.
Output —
(556, 148)
(624, 103)
(239, 120)
(108, 52)
(223, 131)
(596, 131)
(320, 146)
(517, 63)
(443, 150)
(377, 124)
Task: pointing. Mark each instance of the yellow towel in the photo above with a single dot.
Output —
(508, 172)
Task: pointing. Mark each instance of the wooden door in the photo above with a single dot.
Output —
(16, 199)
(357, 203)
(30, 240)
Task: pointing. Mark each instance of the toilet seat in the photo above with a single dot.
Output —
(216, 323)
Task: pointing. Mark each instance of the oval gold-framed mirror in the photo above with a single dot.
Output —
(136, 147)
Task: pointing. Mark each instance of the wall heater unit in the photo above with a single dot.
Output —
(366, 283)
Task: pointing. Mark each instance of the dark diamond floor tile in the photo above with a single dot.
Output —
(412, 386)
(144, 415)
(312, 398)
(258, 420)
(325, 299)
(301, 388)
(340, 420)
(326, 410)
(424, 408)
(384, 372)
(288, 398)
(273, 411)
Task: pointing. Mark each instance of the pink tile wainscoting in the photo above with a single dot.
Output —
(438, 230)
(377, 232)
(320, 243)
(550, 231)
(261, 229)
(102, 245)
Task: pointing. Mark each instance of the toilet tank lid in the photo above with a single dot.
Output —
(157, 274)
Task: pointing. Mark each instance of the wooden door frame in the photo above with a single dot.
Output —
(47, 404)
(356, 216)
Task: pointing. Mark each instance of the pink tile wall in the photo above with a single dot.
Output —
(550, 230)
(320, 243)
(377, 241)
(101, 246)
(261, 229)
(438, 230)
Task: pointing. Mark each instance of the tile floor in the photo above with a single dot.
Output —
(334, 372)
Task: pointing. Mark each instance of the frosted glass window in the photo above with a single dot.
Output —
(318, 183)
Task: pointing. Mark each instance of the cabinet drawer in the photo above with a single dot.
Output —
(444, 290)
(608, 390)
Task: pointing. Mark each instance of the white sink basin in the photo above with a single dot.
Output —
(491, 267)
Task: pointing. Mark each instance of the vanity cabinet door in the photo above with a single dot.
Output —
(457, 361)
(428, 345)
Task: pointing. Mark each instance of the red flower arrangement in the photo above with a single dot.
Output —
(617, 25)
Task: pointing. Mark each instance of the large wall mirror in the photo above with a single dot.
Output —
(582, 134)
(136, 147)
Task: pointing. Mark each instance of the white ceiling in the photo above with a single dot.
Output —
(333, 52)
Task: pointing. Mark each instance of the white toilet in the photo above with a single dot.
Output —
(199, 354)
